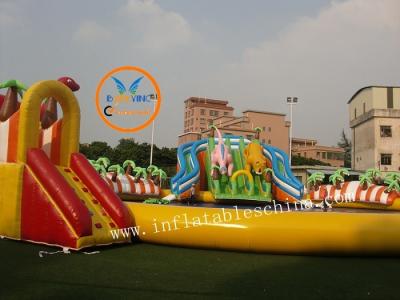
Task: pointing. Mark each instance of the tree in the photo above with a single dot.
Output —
(345, 143)
(258, 130)
(129, 165)
(376, 175)
(10, 103)
(160, 176)
(393, 185)
(117, 170)
(338, 177)
(315, 180)
(304, 161)
(150, 170)
(268, 172)
(365, 180)
(103, 161)
(140, 173)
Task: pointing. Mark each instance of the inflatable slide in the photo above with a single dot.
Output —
(50, 193)
(194, 168)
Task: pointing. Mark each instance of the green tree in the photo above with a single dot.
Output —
(140, 173)
(117, 170)
(128, 165)
(345, 143)
(315, 180)
(10, 104)
(376, 175)
(336, 179)
(103, 161)
(160, 175)
(366, 179)
(304, 161)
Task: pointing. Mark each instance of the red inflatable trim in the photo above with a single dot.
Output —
(101, 191)
(40, 220)
(60, 191)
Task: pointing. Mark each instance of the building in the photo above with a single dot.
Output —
(374, 114)
(200, 113)
(310, 149)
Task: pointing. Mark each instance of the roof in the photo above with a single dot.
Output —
(318, 147)
(263, 112)
(303, 139)
(207, 100)
(369, 87)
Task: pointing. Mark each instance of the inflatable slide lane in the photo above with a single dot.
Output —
(50, 193)
(194, 164)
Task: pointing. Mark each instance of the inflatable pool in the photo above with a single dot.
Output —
(255, 229)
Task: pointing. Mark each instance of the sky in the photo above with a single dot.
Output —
(252, 53)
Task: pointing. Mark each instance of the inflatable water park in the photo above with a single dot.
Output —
(228, 193)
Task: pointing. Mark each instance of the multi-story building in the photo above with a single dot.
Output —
(374, 113)
(200, 113)
(310, 149)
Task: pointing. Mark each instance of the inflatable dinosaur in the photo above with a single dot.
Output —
(221, 157)
(255, 160)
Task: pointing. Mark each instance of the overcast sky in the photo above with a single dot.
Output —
(252, 53)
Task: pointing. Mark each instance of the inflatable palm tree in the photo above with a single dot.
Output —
(268, 174)
(140, 173)
(103, 161)
(128, 165)
(315, 180)
(10, 103)
(258, 130)
(343, 172)
(393, 176)
(117, 170)
(336, 179)
(366, 179)
(160, 176)
(393, 185)
(150, 170)
(376, 175)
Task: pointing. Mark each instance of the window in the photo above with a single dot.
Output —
(191, 121)
(305, 154)
(263, 141)
(226, 113)
(213, 113)
(364, 108)
(202, 112)
(228, 133)
(263, 129)
(269, 129)
(318, 154)
(389, 97)
(324, 155)
(269, 142)
(386, 131)
(386, 159)
(249, 136)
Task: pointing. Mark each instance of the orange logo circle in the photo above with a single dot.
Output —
(125, 96)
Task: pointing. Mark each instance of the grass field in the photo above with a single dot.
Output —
(144, 271)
